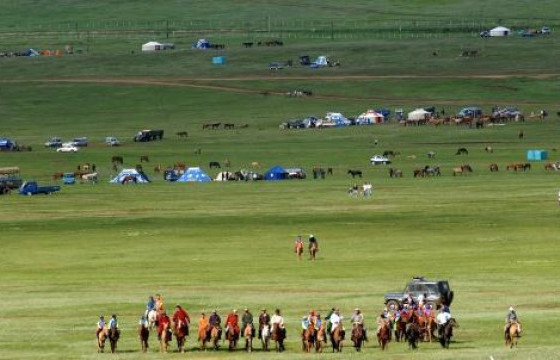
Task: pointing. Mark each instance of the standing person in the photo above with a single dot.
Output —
(264, 319)
(511, 318)
(247, 319)
(100, 326)
(298, 247)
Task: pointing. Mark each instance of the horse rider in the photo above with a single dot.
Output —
(100, 326)
(163, 321)
(180, 315)
(279, 320)
(511, 318)
(215, 322)
(382, 320)
(335, 320)
(264, 319)
(203, 326)
(328, 320)
(298, 245)
(442, 319)
(247, 319)
(232, 320)
(313, 242)
(151, 305)
(308, 320)
(159, 303)
(421, 299)
(357, 319)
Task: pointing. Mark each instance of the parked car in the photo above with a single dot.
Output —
(379, 159)
(436, 292)
(67, 147)
(32, 188)
(54, 142)
(276, 65)
(112, 141)
(545, 30)
(484, 34)
(81, 141)
(68, 179)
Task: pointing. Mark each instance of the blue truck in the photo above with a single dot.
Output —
(32, 188)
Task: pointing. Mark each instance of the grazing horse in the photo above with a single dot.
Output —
(265, 337)
(432, 171)
(462, 169)
(183, 134)
(488, 149)
(516, 166)
(513, 335)
(308, 338)
(229, 126)
(493, 167)
(101, 338)
(143, 335)
(232, 335)
(358, 336)
(329, 171)
(117, 160)
(278, 335)
(337, 338)
(384, 336)
(431, 155)
(215, 126)
(419, 173)
(395, 173)
(215, 337)
(113, 339)
(145, 158)
(248, 335)
(412, 334)
(462, 151)
(181, 331)
(214, 164)
(445, 333)
(355, 173)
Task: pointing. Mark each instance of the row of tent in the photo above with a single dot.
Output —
(193, 174)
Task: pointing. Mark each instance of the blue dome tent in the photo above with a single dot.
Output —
(276, 173)
(194, 174)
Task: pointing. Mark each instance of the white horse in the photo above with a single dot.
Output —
(265, 336)
(152, 317)
(90, 177)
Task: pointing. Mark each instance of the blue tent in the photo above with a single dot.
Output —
(132, 175)
(194, 174)
(276, 173)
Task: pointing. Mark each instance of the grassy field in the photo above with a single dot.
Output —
(103, 249)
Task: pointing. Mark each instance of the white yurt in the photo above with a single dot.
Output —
(418, 114)
(500, 31)
(152, 46)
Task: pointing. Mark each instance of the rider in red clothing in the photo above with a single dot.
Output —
(162, 322)
(180, 315)
(233, 321)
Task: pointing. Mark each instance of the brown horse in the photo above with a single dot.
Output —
(114, 334)
(431, 326)
(145, 158)
(299, 251)
(400, 329)
(232, 335)
(248, 335)
(384, 336)
(313, 248)
(358, 336)
(101, 338)
(204, 336)
(181, 331)
(513, 335)
(493, 167)
(278, 335)
(165, 338)
(337, 338)
(446, 332)
(215, 337)
(320, 339)
(143, 335)
(308, 338)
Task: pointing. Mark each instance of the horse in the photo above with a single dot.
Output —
(308, 338)
(445, 333)
(114, 334)
(278, 335)
(203, 336)
(183, 134)
(431, 326)
(145, 158)
(358, 336)
(90, 177)
(329, 171)
(355, 173)
(143, 335)
(526, 166)
(299, 251)
(395, 173)
(337, 338)
(516, 167)
(164, 338)
(388, 153)
(384, 336)
(419, 173)
(431, 155)
(265, 336)
(101, 338)
(152, 319)
(488, 149)
(215, 337)
(229, 126)
(232, 335)
(462, 151)
(215, 126)
(400, 329)
(493, 167)
(320, 338)
(117, 160)
(432, 171)
(248, 335)
(214, 164)
(313, 249)
(412, 335)
(520, 135)
(462, 169)
(513, 335)
(181, 331)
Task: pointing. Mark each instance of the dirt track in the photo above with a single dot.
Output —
(196, 82)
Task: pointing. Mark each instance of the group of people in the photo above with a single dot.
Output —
(366, 190)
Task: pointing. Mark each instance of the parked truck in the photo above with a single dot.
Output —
(32, 188)
(148, 135)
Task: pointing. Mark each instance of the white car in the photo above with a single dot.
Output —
(378, 159)
(67, 148)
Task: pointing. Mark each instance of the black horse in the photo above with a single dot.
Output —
(445, 333)
(462, 151)
(355, 173)
(213, 164)
(412, 334)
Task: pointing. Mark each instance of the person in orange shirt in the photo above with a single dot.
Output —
(203, 327)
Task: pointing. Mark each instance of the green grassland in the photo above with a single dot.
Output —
(102, 249)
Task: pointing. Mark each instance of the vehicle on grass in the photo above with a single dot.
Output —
(296, 173)
(437, 293)
(276, 65)
(54, 142)
(7, 144)
(379, 160)
(148, 135)
(80, 142)
(67, 148)
(68, 179)
(11, 182)
(112, 141)
(545, 30)
(471, 111)
(32, 188)
(4, 189)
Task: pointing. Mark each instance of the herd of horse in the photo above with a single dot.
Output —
(225, 126)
